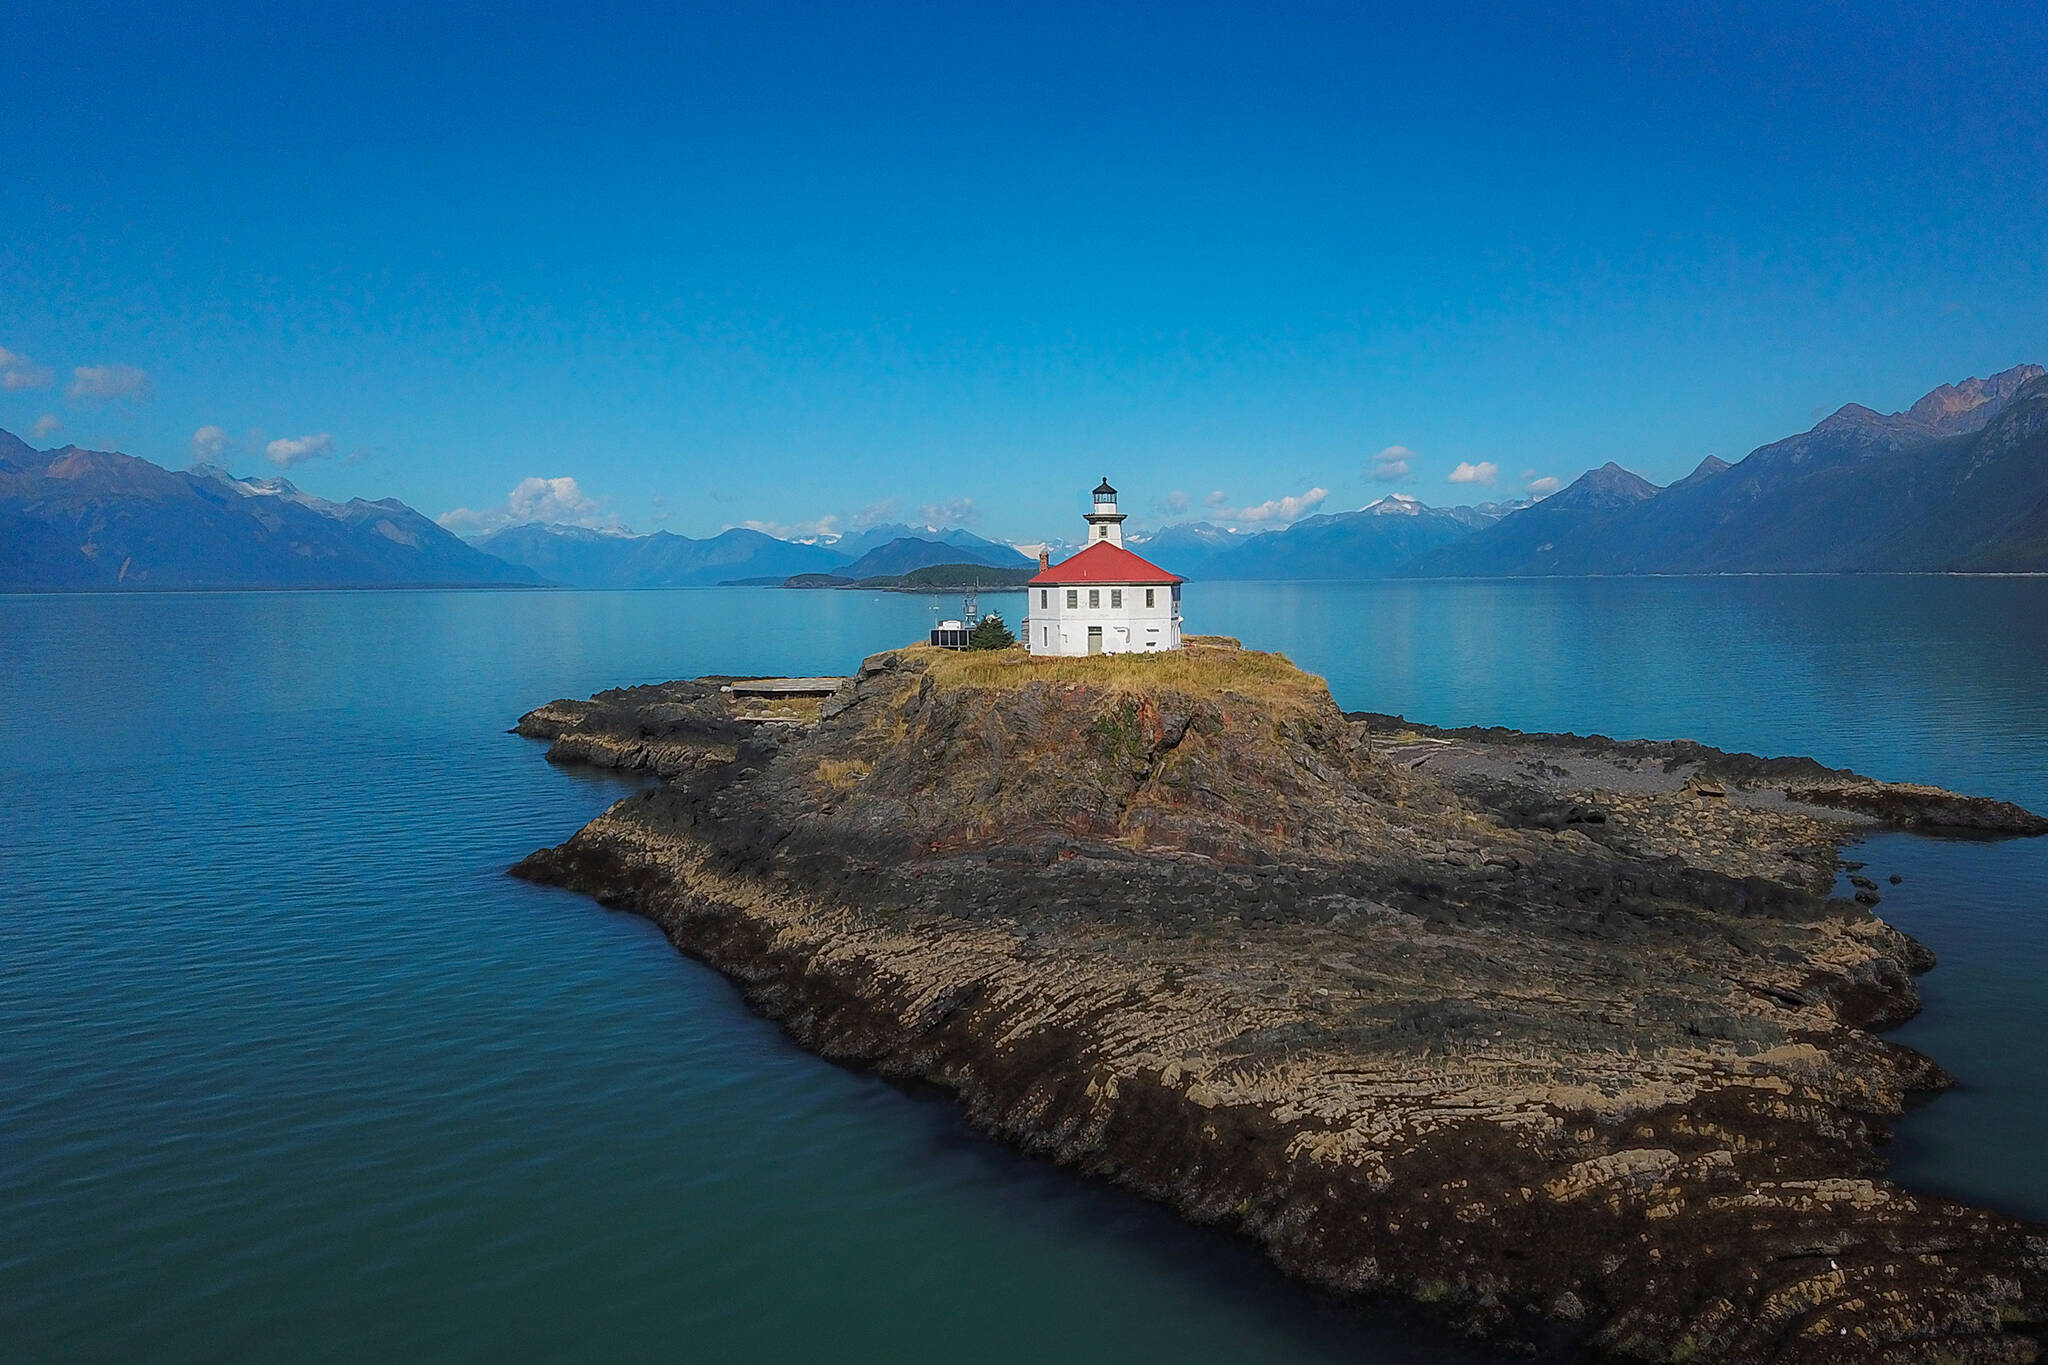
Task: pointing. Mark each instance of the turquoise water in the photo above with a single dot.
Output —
(289, 1068)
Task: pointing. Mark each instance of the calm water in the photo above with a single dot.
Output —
(289, 1067)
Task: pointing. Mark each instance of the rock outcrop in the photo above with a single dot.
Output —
(1565, 1039)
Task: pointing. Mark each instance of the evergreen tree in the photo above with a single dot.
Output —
(991, 633)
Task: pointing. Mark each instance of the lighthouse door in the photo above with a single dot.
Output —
(1095, 639)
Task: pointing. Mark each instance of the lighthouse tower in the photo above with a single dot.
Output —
(1105, 523)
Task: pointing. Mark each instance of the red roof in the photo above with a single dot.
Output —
(1103, 562)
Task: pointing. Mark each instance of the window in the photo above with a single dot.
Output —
(1094, 597)
(1073, 597)
(1102, 533)
(1041, 597)
(1148, 596)
(1116, 597)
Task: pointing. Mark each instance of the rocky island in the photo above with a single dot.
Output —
(1565, 1037)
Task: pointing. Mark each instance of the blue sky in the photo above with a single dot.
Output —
(786, 263)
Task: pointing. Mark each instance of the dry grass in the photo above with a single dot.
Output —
(1199, 668)
(842, 774)
(777, 708)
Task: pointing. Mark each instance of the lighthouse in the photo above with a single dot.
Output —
(1103, 599)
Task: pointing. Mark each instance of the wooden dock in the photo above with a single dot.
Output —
(785, 687)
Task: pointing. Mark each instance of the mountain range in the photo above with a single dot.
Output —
(907, 553)
(1373, 542)
(88, 519)
(854, 544)
(577, 557)
(1958, 482)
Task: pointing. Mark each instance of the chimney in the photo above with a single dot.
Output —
(1044, 560)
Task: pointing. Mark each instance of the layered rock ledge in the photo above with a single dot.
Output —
(1565, 1037)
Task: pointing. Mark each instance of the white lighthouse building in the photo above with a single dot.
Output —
(1102, 599)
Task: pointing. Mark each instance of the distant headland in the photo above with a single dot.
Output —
(933, 578)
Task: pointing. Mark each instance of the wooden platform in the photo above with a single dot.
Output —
(785, 687)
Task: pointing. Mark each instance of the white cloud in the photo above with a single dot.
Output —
(109, 383)
(1275, 511)
(556, 501)
(19, 373)
(1175, 503)
(1543, 487)
(952, 512)
(209, 444)
(1390, 464)
(287, 451)
(1486, 471)
(467, 522)
(46, 425)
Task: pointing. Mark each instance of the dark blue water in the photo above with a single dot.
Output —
(289, 1067)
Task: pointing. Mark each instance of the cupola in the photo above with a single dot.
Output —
(1105, 523)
